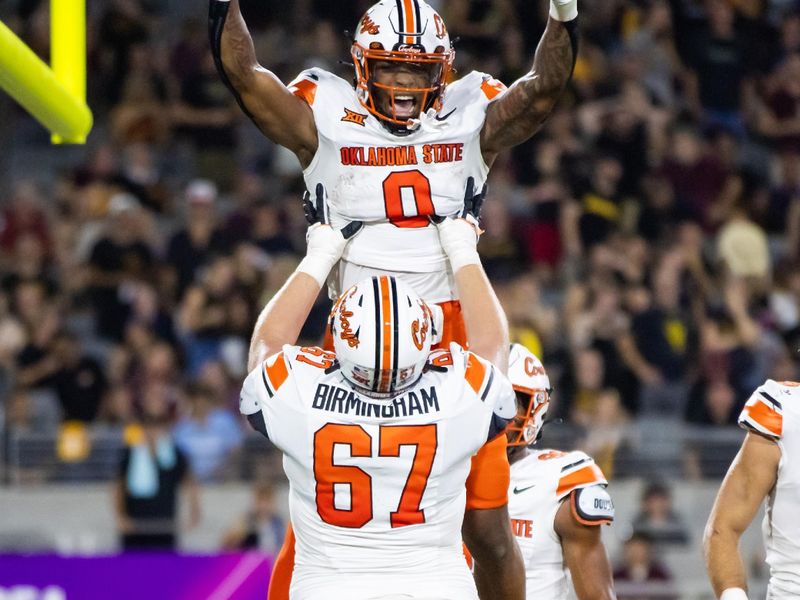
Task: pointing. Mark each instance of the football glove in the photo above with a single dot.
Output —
(471, 210)
(325, 244)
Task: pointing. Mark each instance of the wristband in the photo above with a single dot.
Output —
(459, 238)
(563, 10)
(316, 267)
(325, 247)
(733, 594)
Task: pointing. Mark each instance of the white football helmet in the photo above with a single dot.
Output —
(408, 31)
(532, 385)
(382, 334)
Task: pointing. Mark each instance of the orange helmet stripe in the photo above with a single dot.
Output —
(387, 325)
(409, 21)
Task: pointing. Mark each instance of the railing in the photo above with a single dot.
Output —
(667, 449)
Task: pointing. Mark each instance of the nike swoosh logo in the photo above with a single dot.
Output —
(443, 117)
(520, 490)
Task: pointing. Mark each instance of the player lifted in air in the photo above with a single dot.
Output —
(765, 467)
(404, 143)
(379, 436)
(556, 500)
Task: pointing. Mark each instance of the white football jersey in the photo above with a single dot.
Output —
(394, 183)
(539, 484)
(377, 487)
(774, 411)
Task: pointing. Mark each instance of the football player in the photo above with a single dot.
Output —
(765, 467)
(401, 143)
(556, 500)
(378, 436)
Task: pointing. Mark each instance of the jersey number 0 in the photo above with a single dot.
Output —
(420, 188)
(391, 437)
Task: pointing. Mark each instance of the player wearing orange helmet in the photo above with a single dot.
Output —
(378, 436)
(403, 144)
(556, 500)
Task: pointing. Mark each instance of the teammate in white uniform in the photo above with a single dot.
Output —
(378, 437)
(556, 500)
(765, 467)
(404, 143)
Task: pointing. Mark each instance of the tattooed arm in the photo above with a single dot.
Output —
(517, 114)
(283, 117)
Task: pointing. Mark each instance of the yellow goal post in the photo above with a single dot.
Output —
(55, 96)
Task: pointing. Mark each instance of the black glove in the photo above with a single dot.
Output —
(316, 211)
(472, 202)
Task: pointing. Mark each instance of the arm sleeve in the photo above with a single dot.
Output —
(259, 387)
(494, 389)
(763, 412)
(489, 477)
(580, 472)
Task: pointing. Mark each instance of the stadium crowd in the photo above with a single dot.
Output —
(645, 243)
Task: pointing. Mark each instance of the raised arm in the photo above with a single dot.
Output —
(283, 117)
(518, 113)
(750, 479)
(484, 318)
(283, 317)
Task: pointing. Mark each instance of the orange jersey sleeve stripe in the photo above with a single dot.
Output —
(489, 476)
(277, 372)
(305, 89)
(492, 88)
(763, 415)
(475, 372)
(586, 476)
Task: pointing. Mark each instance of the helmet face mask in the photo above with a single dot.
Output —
(526, 428)
(382, 334)
(410, 34)
(532, 386)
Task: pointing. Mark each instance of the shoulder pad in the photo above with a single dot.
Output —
(306, 84)
(592, 505)
(763, 412)
(477, 84)
(275, 373)
(578, 470)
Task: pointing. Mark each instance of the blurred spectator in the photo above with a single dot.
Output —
(714, 403)
(120, 259)
(607, 430)
(79, 380)
(640, 575)
(720, 56)
(209, 435)
(657, 519)
(206, 115)
(261, 528)
(152, 471)
(742, 246)
(24, 215)
(696, 176)
(191, 248)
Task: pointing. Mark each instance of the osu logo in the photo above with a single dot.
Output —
(369, 26)
(418, 334)
(354, 117)
(441, 31)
